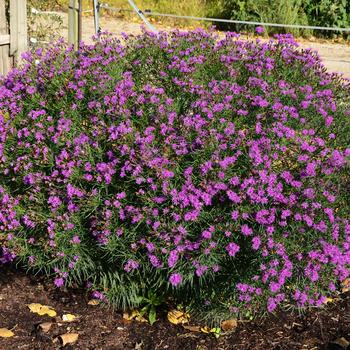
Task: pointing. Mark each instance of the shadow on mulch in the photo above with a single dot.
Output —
(101, 328)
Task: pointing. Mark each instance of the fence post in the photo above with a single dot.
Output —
(142, 16)
(18, 28)
(73, 23)
(97, 16)
(4, 41)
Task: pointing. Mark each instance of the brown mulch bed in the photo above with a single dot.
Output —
(101, 328)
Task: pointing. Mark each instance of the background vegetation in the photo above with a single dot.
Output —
(326, 13)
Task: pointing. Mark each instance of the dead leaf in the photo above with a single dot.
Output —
(138, 346)
(328, 300)
(45, 326)
(345, 285)
(228, 325)
(68, 338)
(133, 315)
(68, 318)
(192, 328)
(42, 309)
(206, 329)
(178, 317)
(6, 333)
(342, 343)
(128, 316)
(140, 318)
(93, 302)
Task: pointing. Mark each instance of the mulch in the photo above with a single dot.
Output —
(100, 328)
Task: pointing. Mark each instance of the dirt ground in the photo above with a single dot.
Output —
(336, 56)
(99, 328)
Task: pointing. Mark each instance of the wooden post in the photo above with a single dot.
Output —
(73, 23)
(4, 41)
(18, 28)
(80, 21)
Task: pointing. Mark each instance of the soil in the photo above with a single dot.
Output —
(100, 328)
(336, 56)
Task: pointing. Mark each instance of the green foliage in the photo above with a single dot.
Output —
(149, 305)
(326, 13)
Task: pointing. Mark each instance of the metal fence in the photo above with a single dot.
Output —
(143, 15)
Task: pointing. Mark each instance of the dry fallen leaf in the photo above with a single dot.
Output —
(6, 333)
(206, 329)
(68, 318)
(345, 285)
(328, 300)
(192, 328)
(93, 302)
(45, 326)
(228, 325)
(138, 346)
(68, 338)
(215, 331)
(133, 315)
(178, 317)
(129, 315)
(341, 343)
(42, 309)
(140, 318)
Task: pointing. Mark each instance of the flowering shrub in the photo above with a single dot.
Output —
(210, 171)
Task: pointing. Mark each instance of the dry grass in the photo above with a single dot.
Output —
(180, 7)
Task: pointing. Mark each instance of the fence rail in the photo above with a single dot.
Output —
(220, 20)
(4, 39)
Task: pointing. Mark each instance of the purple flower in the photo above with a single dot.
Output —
(54, 201)
(7, 256)
(232, 249)
(259, 30)
(167, 173)
(59, 282)
(246, 230)
(256, 242)
(173, 258)
(201, 269)
(175, 279)
(271, 305)
(131, 265)
(75, 240)
(98, 295)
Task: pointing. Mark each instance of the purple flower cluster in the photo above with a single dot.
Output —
(179, 157)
